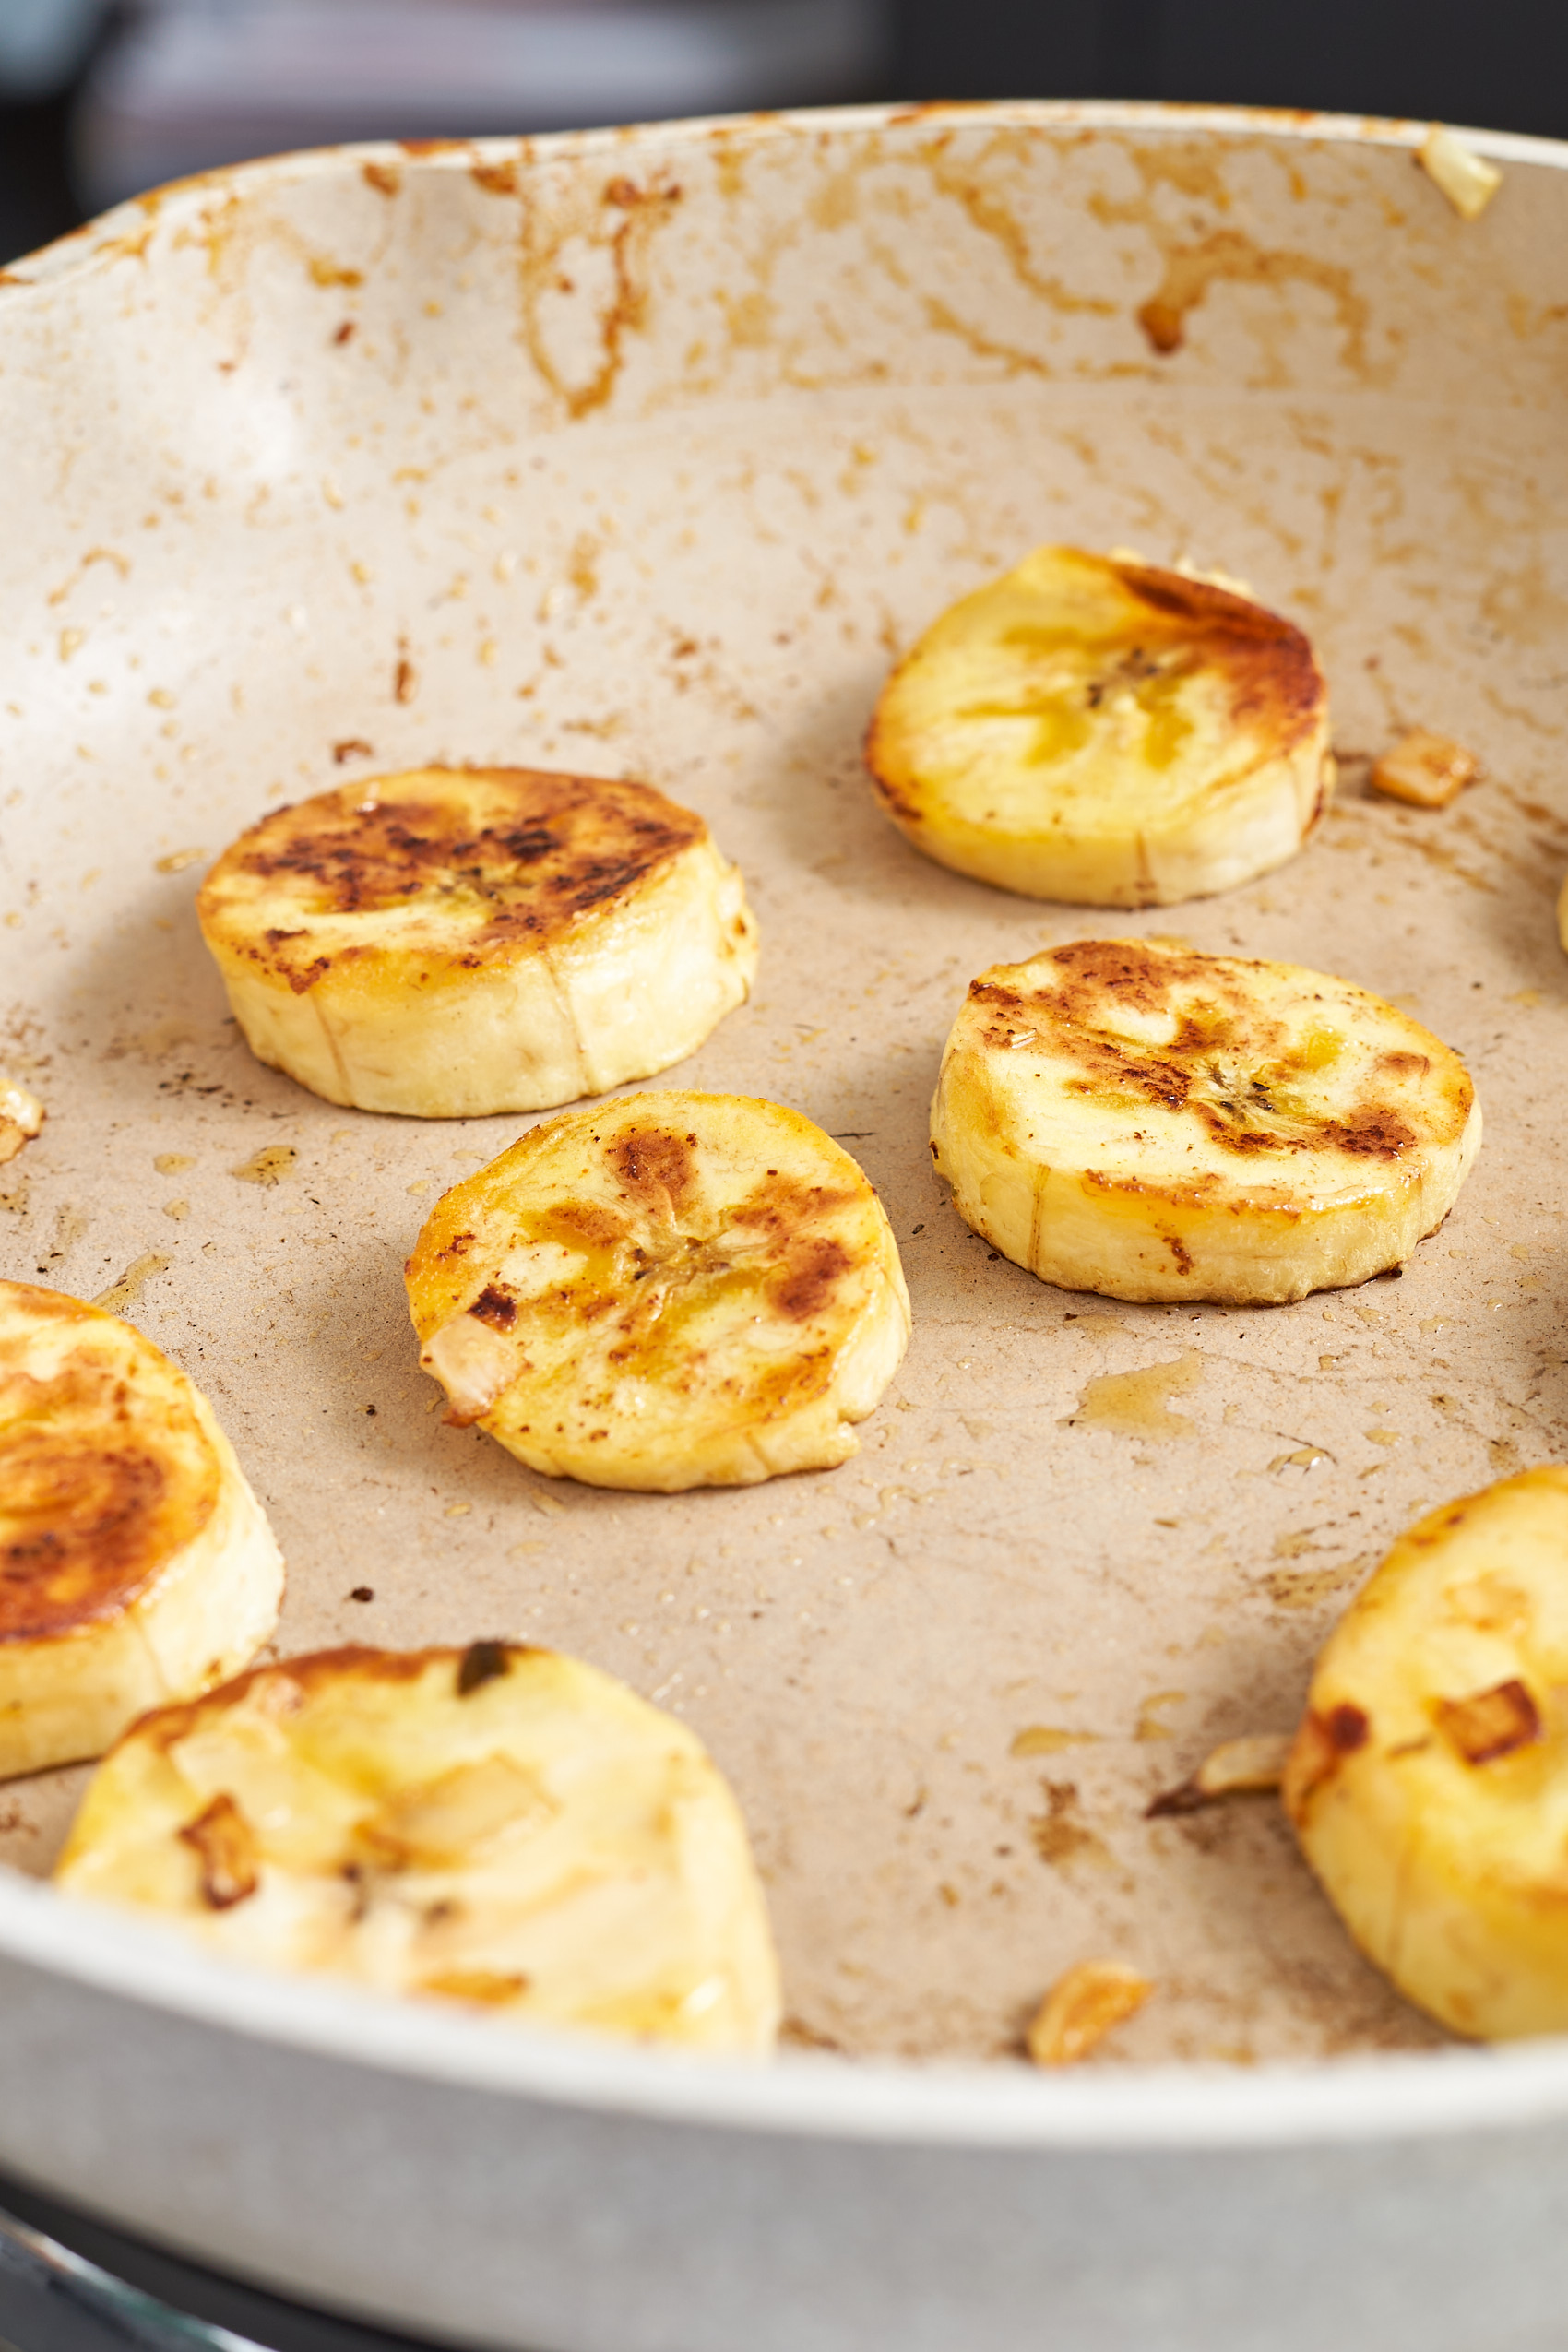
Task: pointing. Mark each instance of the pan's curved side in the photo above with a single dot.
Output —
(444, 2209)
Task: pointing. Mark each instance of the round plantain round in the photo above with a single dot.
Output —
(135, 1565)
(1134, 1118)
(497, 1826)
(671, 1290)
(1096, 729)
(1427, 1784)
(455, 942)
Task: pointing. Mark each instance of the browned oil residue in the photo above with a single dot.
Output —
(1137, 1404)
(332, 273)
(1191, 270)
(628, 220)
(1061, 1836)
(992, 218)
(495, 179)
(129, 1288)
(1308, 1587)
(268, 1166)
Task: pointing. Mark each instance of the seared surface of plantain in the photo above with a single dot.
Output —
(1103, 731)
(672, 1290)
(455, 942)
(136, 1565)
(1146, 1122)
(497, 1826)
(1428, 1781)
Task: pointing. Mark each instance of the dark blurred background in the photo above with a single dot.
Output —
(100, 99)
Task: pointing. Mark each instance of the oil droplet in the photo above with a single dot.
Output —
(128, 1288)
(270, 1166)
(1136, 1404)
(1149, 1724)
(1045, 1740)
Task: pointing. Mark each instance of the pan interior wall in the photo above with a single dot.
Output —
(647, 458)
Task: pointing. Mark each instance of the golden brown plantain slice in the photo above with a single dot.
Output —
(1124, 1116)
(497, 1825)
(455, 942)
(1096, 729)
(135, 1565)
(671, 1290)
(1428, 1781)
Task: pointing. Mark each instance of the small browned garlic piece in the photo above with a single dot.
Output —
(1252, 1764)
(1082, 2007)
(21, 1118)
(1424, 769)
(1467, 179)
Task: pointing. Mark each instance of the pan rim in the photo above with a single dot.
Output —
(102, 241)
(1400, 2096)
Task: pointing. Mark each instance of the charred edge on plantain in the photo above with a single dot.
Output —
(481, 1662)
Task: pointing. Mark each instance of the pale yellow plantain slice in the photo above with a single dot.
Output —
(135, 1565)
(455, 942)
(497, 1826)
(671, 1290)
(1096, 729)
(1428, 1781)
(1136, 1119)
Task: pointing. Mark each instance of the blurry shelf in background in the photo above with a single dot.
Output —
(182, 84)
(194, 83)
(42, 42)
